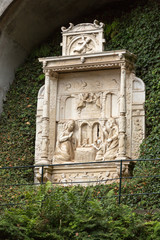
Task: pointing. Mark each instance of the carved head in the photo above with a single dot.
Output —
(70, 125)
(111, 122)
(99, 140)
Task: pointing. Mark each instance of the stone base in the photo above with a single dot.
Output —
(90, 174)
(47, 172)
(85, 174)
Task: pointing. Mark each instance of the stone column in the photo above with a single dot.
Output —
(53, 111)
(122, 118)
(45, 119)
(43, 174)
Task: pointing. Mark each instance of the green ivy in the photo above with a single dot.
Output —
(136, 31)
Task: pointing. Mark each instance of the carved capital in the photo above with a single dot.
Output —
(44, 64)
(47, 72)
(53, 74)
(123, 67)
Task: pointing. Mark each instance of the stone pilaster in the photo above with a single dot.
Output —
(122, 117)
(53, 112)
(45, 118)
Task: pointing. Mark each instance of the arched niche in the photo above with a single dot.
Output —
(69, 108)
(96, 131)
(138, 84)
(111, 105)
(138, 91)
(85, 135)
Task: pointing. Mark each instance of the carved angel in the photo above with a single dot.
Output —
(81, 103)
(83, 46)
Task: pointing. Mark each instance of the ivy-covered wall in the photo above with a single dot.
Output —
(136, 30)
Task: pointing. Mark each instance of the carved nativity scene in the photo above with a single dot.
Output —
(91, 109)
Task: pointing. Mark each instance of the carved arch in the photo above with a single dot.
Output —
(85, 132)
(41, 92)
(96, 131)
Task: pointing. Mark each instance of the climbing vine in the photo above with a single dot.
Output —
(136, 31)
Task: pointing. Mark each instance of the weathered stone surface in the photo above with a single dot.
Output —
(91, 108)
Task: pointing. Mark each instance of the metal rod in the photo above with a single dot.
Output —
(84, 163)
(120, 183)
(96, 181)
(42, 176)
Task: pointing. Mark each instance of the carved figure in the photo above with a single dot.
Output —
(111, 145)
(64, 149)
(85, 98)
(98, 100)
(85, 142)
(82, 101)
(83, 45)
(98, 145)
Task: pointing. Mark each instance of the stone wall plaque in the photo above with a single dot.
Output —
(91, 108)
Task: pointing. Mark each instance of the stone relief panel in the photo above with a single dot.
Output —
(88, 105)
(91, 100)
(92, 109)
(83, 141)
(91, 174)
(83, 38)
(82, 96)
(90, 81)
(82, 45)
(94, 117)
(137, 137)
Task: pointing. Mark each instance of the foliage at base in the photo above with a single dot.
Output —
(76, 213)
